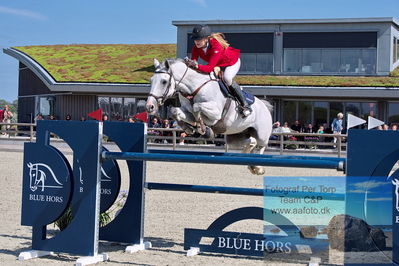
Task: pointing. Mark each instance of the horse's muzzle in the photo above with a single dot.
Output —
(151, 108)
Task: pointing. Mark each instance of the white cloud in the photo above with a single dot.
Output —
(368, 184)
(22, 13)
(200, 2)
(379, 199)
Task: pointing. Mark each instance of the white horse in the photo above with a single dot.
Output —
(202, 103)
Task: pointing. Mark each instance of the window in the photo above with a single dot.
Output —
(120, 108)
(395, 53)
(393, 112)
(45, 105)
(330, 52)
(348, 60)
(256, 63)
(292, 60)
(320, 113)
(330, 60)
(305, 112)
(289, 112)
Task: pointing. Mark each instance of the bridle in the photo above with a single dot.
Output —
(161, 99)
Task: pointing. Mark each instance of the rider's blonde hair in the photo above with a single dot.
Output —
(220, 38)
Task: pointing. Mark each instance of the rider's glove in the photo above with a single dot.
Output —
(191, 63)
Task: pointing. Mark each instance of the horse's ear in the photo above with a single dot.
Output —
(167, 63)
(156, 63)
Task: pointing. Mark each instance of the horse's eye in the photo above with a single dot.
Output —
(164, 82)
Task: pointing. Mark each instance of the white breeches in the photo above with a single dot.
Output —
(231, 71)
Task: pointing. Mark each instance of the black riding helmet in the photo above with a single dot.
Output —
(200, 32)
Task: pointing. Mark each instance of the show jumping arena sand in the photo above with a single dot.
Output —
(167, 213)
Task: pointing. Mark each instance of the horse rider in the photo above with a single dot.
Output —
(217, 52)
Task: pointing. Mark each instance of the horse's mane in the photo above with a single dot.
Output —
(172, 61)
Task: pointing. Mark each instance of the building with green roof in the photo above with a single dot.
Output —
(310, 70)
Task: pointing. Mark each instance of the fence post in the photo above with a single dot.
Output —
(281, 144)
(226, 148)
(174, 139)
(31, 133)
(339, 147)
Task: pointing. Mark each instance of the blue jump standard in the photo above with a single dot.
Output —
(222, 159)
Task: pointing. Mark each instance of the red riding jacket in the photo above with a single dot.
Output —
(215, 55)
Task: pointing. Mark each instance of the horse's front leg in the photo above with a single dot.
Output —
(184, 119)
(209, 112)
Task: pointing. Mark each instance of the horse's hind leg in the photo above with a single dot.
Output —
(249, 143)
(258, 170)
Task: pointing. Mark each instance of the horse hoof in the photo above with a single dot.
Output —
(256, 170)
(259, 170)
(252, 169)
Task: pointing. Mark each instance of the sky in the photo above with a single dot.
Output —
(48, 22)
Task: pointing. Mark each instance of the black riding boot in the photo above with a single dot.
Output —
(237, 92)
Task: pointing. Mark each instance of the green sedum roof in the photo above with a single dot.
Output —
(116, 63)
(133, 63)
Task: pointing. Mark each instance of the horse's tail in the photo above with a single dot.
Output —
(268, 105)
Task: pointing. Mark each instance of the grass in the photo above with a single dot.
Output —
(133, 63)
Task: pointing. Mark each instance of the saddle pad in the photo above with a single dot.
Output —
(249, 97)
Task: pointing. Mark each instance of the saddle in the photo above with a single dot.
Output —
(226, 91)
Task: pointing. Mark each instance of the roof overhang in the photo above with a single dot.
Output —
(325, 92)
(78, 87)
(287, 21)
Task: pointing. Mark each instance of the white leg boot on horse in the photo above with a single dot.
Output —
(250, 148)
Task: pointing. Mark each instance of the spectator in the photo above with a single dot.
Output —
(1, 114)
(131, 119)
(394, 127)
(285, 128)
(51, 117)
(165, 124)
(310, 129)
(297, 127)
(68, 117)
(82, 118)
(105, 117)
(154, 124)
(385, 127)
(7, 116)
(337, 125)
(276, 129)
(39, 117)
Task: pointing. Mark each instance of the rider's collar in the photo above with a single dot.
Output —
(206, 47)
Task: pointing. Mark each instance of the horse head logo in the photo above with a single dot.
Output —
(396, 183)
(39, 174)
(104, 174)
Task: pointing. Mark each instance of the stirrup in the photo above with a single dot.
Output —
(246, 111)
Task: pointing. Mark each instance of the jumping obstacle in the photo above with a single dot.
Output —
(78, 187)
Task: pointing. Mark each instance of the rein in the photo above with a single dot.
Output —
(190, 96)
